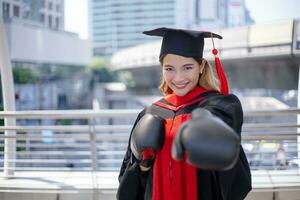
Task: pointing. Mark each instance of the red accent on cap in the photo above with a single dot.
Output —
(215, 51)
(224, 88)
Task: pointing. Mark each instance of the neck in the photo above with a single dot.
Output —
(179, 100)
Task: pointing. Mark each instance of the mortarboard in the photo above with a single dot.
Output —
(189, 43)
(182, 42)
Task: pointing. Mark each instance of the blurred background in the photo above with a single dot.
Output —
(91, 54)
(66, 53)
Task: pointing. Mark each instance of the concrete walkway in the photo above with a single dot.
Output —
(267, 185)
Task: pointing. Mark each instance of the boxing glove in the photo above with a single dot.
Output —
(148, 134)
(208, 142)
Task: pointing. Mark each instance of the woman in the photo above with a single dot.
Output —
(187, 145)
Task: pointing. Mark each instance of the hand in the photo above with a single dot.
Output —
(144, 169)
(147, 136)
(208, 141)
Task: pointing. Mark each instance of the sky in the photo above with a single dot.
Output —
(262, 11)
(76, 17)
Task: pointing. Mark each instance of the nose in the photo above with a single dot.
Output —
(179, 77)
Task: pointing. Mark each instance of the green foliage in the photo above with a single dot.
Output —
(126, 78)
(64, 122)
(65, 71)
(100, 69)
(24, 75)
(22, 142)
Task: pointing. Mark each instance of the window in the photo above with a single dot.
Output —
(42, 17)
(43, 3)
(5, 8)
(16, 11)
(57, 8)
(50, 5)
(57, 22)
(50, 21)
(62, 101)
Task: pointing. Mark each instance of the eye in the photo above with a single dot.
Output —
(188, 67)
(168, 68)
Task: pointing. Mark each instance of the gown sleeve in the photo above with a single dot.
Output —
(234, 184)
(132, 181)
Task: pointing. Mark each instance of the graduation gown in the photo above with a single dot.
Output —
(174, 180)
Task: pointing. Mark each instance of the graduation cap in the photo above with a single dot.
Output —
(189, 43)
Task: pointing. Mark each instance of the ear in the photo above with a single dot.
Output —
(202, 66)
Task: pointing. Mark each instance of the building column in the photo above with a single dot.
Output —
(8, 102)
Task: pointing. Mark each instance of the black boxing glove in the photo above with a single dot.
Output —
(208, 141)
(148, 134)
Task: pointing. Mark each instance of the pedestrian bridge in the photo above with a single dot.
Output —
(76, 154)
(256, 56)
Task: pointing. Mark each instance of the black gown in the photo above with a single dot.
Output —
(233, 184)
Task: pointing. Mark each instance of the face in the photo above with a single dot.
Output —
(181, 73)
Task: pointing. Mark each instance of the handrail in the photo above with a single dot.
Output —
(86, 113)
(98, 142)
(71, 114)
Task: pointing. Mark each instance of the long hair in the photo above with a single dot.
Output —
(207, 79)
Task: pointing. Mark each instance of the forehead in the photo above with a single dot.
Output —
(173, 58)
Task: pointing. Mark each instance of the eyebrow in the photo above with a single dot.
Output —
(188, 64)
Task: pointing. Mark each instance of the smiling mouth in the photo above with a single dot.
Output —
(180, 86)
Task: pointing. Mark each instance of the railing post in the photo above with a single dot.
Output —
(8, 102)
(93, 146)
(298, 118)
(294, 48)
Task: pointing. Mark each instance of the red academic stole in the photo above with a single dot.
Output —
(175, 180)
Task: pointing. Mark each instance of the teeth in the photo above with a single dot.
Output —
(180, 85)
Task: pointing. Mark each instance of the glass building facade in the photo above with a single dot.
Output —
(118, 24)
(46, 13)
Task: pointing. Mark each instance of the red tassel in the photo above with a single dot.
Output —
(224, 88)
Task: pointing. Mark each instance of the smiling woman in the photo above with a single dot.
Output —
(76, 17)
(190, 136)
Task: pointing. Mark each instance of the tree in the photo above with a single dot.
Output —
(100, 69)
(24, 75)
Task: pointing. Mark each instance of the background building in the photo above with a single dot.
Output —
(47, 13)
(118, 24)
(217, 14)
(38, 44)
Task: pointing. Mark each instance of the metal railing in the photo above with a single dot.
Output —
(93, 144)
(95, 141)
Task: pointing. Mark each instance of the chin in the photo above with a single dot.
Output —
(184, 91)
(181, 93)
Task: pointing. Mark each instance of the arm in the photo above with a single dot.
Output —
(236, 182)
(146, 137)
(128, 159)
(130, 178)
